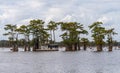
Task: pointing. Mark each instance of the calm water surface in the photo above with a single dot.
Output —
(59, 62)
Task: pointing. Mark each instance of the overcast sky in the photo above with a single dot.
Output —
(83, 11)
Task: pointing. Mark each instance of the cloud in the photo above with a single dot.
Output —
(104, 19)
(84, 11)
(53, 13)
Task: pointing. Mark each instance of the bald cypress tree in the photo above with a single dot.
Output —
(109, 34)
(98, 34)
(70, 37)
(12, 35)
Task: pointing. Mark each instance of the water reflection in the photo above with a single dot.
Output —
(59, 62)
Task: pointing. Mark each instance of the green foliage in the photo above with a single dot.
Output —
(109, 34)
(38, 31)
(36, 26)
(52, 26)
(72, 30)
(98, 32)
(11, 31)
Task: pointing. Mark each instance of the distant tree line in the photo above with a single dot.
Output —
(6, 43)
(71, 35)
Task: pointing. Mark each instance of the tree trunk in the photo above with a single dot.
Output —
(110, 42)
(110, 47)
(84, 46)
(16, 43)
(75, 47)
(33, 48)
(16, 49)
(99, 48)
(78, 44)
(69, 48)
(28, 47)
(25, 49)
(15, 46)
(51, 36)
(54, 35)
(28, 44)
(36, 41)
(25, 44)
(34, 45)
(66, 48)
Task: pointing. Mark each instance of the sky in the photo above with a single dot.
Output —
(83, 11)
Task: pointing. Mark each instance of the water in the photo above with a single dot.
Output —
(60, 62)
